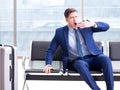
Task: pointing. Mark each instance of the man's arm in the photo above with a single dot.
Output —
(49, 55)
(97, 26)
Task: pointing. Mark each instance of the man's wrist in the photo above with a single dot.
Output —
(48, 65)
(94, 25)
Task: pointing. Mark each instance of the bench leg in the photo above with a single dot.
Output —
(25, 84)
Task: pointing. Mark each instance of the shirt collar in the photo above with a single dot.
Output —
(71, 29)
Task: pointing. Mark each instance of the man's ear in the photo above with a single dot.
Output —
(66, 20)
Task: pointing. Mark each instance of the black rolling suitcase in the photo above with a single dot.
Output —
(8, 68)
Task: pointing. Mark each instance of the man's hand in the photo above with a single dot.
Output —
(48, 69)
(86, 24)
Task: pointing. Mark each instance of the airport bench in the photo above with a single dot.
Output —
(37, 63)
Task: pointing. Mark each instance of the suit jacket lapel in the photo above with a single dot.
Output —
(84, 32)
(66, 36)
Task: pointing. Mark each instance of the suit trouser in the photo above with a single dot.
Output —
(100, 62)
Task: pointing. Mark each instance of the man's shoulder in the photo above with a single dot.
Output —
(62, 29)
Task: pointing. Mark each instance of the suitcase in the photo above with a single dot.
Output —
(8, 68)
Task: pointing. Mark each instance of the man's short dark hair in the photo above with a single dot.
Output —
(68, 11)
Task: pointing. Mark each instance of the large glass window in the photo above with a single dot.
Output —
(38, 19)
(107, 11)
(6, 22)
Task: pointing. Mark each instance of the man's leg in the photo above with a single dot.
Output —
(104, 63)
(82, 67)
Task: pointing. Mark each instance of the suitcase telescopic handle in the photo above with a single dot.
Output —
(10, 73)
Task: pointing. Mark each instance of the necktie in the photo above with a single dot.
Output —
(79, 49)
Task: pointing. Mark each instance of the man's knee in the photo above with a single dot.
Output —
(80, 64)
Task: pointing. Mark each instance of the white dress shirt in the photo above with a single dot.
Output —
(72, 45)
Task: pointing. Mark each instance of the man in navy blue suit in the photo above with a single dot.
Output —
(92, 57)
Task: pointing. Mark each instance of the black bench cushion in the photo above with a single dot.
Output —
(38, 51)
(114, 51)
(114, 54)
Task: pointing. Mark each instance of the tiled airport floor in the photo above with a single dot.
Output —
(54, 85)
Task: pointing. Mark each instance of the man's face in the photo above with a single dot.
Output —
(72, 20)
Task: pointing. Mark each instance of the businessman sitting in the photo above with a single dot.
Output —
(79, 48)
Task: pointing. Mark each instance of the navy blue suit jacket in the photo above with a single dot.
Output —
(61, 38)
